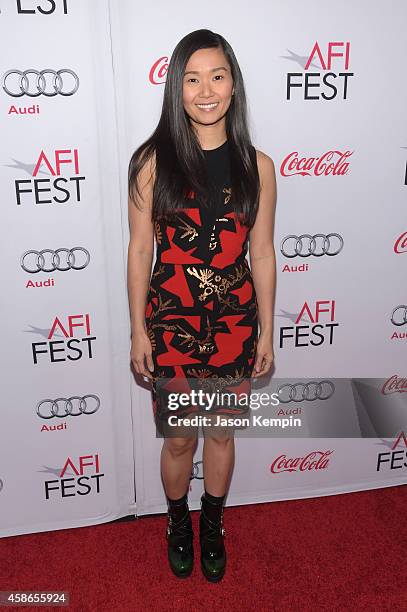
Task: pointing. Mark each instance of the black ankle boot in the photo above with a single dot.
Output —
(180, 545)
(211, 535)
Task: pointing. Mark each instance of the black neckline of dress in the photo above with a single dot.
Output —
(217, 148)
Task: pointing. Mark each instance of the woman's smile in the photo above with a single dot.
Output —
(208, 106)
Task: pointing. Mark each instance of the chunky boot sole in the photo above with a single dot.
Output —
(181, 575)
(176, 572)
(211, 578)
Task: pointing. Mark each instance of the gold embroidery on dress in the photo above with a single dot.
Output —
(227, 303)
(151, 337)
(190, 231)
(162, 305)
(227, 190)
(158, 233)
(204, 346)
(199, 373)
(212, 241)
(159, 271)
(150, 331)
(216, 284)
(214, 382)
(166, 326)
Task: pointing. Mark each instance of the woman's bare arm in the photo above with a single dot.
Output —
(140, 257)
(263, 261)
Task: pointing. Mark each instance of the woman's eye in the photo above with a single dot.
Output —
(194, 79)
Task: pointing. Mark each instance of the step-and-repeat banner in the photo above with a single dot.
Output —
(80, 90)
(66, 452)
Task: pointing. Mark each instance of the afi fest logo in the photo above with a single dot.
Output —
(321, 329)
(158, 71)
(317, 460)
(394, 384)
(61, 189)
(71, 348)
(395, 459)
(42, 7)
(400, 246)
(332, 162)
(85, 480)
(327, 79)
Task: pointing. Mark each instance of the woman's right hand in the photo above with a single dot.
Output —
(141, 350)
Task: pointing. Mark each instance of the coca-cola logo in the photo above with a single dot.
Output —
(394, 384)
(294, 164)
(317, 460)
(158, 71)
(400, 245)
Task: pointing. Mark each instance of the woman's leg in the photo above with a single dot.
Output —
(176, 464)
(176, 468)
(218, 459)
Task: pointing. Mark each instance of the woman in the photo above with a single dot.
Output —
(199, 186)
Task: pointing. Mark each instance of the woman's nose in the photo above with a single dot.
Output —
(206, 88)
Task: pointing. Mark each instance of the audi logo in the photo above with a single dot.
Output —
(38, 262)
(196, 470)
(399, 315)
(17, 83)
(306, 245)
(306, 391)
(48, 408)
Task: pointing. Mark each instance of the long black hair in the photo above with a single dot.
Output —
(179, 160)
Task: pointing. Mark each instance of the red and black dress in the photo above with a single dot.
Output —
(201, 312)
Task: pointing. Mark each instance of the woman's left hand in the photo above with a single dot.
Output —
(264, 355)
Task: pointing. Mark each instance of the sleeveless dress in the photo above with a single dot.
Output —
(201, 312)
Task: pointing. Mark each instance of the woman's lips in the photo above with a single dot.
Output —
(208, 107)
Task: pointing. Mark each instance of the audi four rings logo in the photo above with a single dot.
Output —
(399, 315)
(306, 391)
(71, 406)
(71, 259)
(196, 470)
(306, 245)
(33, 83)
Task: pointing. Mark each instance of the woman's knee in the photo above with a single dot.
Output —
(179, 446)
(219, 436)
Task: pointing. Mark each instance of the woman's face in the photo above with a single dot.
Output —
(207, 86)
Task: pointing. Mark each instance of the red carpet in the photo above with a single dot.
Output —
(336, 553)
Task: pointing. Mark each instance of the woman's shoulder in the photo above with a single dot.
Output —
(266, 169)
(142, 173)
(147, 166)
(264, 161)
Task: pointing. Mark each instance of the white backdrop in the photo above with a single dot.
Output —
(97, 483)
(118, 54)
